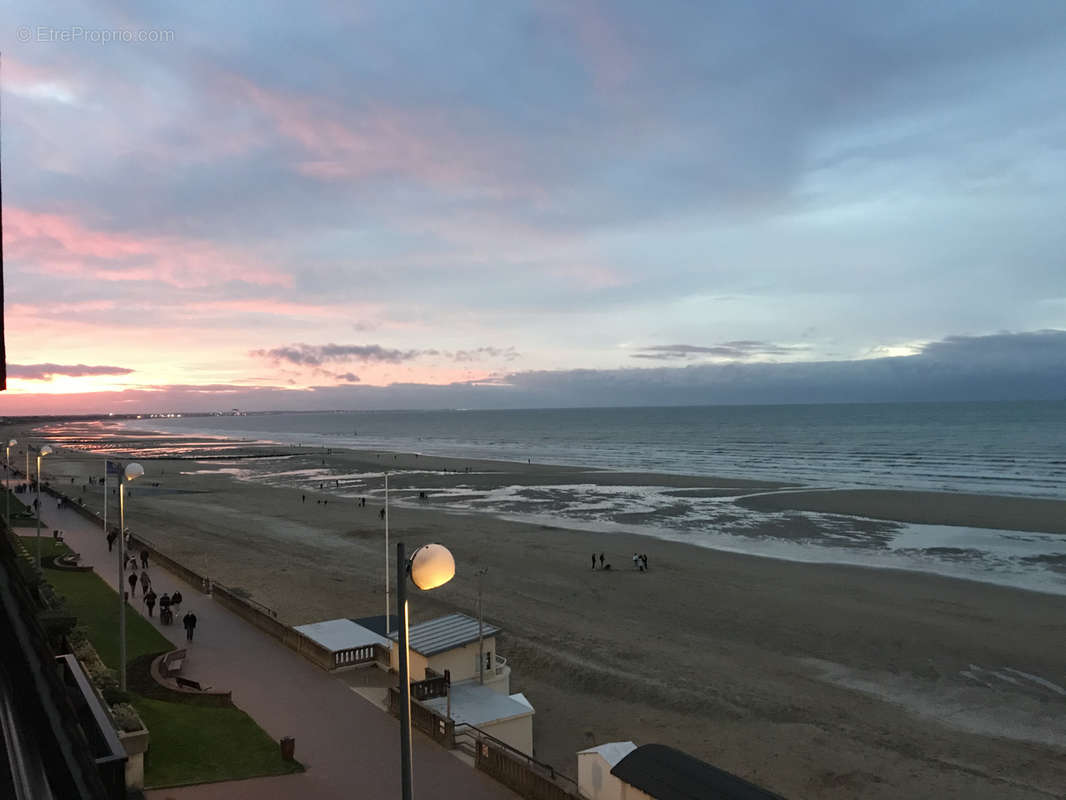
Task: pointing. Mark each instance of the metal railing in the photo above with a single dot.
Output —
(513, 768)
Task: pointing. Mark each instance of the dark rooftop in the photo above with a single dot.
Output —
(669, 774)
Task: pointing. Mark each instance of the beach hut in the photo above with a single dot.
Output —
(451, 643)
(623, 771)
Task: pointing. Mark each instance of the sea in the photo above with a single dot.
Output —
(986, 448)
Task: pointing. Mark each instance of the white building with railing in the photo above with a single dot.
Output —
(456, 644)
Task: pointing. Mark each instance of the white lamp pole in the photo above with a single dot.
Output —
(388, 626)
(133, 470)
(480, 626)
(44, 451)
(430, 566)
(7, 451)
(106, 531)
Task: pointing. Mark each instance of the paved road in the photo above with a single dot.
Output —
(350, 748)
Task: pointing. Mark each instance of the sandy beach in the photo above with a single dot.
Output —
(817, 681)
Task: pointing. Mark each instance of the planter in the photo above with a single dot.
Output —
(136, 743)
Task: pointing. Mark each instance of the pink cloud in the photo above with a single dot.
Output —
(608, 57)
(28, 80)
(590, 276)
(343, 143)
(63, 245)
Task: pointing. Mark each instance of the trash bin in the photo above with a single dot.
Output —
(288, 748)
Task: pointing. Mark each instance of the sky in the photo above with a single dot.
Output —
(567, 202)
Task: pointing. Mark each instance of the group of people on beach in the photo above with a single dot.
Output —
(640, 562)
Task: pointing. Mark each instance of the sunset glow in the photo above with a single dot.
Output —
(560, 201)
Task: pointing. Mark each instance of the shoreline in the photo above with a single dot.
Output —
(816, 680)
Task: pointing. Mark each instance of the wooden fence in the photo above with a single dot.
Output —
(437, 726)
(517, 771)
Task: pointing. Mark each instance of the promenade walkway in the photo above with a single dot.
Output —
(350, 748)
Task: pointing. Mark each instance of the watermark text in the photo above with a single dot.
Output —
(77, 33)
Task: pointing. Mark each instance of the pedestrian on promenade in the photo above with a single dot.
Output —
(111, 536)
(644, 558)
(637, 564)
(131, 563)
(144, 559)
(189, 621)
(149, 600)
(175, 601)
(382, 513)
(146, 581)
(601, 560)
(164, 604)
(594, 561)
(133, 584)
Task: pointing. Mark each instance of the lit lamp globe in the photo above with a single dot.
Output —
(46, 450)
(133, 470)
(13, 442)
(432, 565)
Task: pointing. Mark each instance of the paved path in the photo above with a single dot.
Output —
(350, 748)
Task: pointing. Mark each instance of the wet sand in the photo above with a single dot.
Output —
(929, 508)
(817, 681)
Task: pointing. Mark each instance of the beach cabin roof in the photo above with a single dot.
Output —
(611, 752)
(444, 633)
(480, 705)
(341, 634)
(668, 774)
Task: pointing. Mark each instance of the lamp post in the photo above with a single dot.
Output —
(480, 627)
(430, 566)
(133, 471)
(7, 485)
(388, 625)
(44, 451)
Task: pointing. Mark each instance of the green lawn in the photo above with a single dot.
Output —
(200, 744)
(190, 742)
(96, 606)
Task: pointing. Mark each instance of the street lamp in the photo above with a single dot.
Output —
(132, 472)
(388, 623)
(480, 627)
(7, 456)
(44, 451)
(430, 566)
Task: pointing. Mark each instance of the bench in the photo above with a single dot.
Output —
(185, 683)
(172, 663)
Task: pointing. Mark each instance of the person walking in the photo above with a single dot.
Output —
(146, 581)
(644, 559)
(144, 559)
(175, 601)
(594, 561)
(111, 540)
(133, 584)
(601, 560)
(149, 600)
(189, 621)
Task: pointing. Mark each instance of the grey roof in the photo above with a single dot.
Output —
(445, 633)
(669, 774)
(341, 634)
(479, 705)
